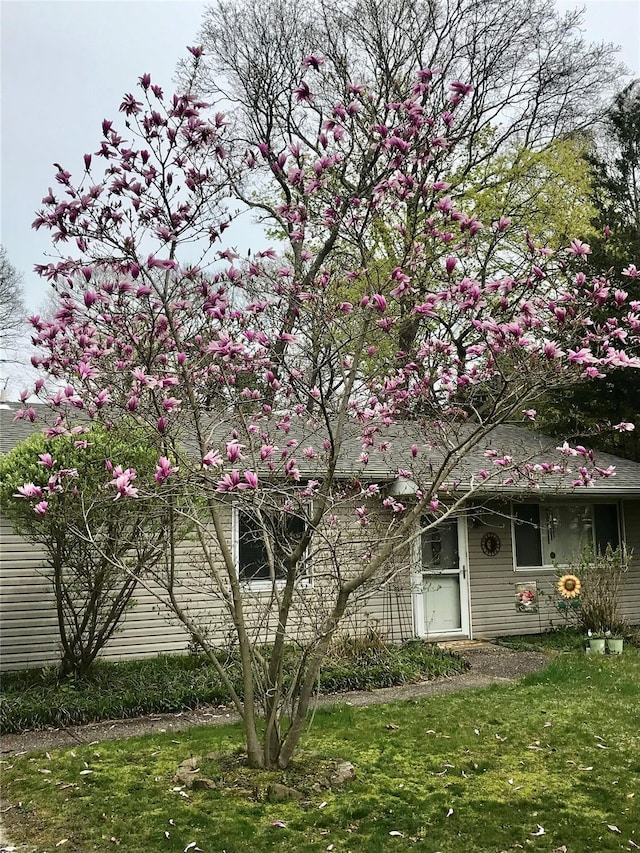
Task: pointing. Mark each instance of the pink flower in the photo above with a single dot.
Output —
(41, 508)
(303, 92)
(234, 451)
(229, 482)
(379, 302)
(577, 247)
(624, 426)
(252, 479)
(312, 62)
(212, 458)
(164, 469)
(29, 490)
(122, 482)
(46, 459)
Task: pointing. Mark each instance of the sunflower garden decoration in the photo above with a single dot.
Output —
(568, 604)
(569, 587)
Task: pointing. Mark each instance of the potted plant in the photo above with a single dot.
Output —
(596, 642)
(615, 642)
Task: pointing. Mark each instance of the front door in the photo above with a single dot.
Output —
(441, 604)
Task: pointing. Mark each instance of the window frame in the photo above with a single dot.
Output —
(549, 567)
(305, 581)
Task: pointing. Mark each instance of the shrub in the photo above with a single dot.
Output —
(601, 577)
(170, 683)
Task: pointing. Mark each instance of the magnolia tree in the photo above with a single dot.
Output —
(254, 377)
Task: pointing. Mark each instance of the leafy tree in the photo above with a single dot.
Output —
(535, 81)
(252, 374)
(52, 489)
(615, 199)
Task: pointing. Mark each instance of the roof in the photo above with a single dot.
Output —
(522, 444)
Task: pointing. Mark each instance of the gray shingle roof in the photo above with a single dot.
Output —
(383, 465)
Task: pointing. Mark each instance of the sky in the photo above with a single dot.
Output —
(66, 63)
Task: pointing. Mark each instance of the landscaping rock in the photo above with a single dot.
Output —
(185, 777)
(203, 784)
(188, 771)
(278, 793)
(344, 772)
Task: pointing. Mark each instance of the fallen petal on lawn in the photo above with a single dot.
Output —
(613, 827)
(540, 831)
(585, 768)
(449, 813)
(279, 823)
(562, 849)
(396, 834)
(61, 842)
(634, 845)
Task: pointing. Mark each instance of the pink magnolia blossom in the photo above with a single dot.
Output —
(41, 508)
(577, 247)
(212, 459)
(28, 490)
(252, 479)
(164, 469)
(121, 482)
(234, 451)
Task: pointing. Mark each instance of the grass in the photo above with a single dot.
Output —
(33, 699)
(549, 763)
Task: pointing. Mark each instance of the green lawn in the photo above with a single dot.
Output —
(550, 763)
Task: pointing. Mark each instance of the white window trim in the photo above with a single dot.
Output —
(550, 567)
(263, 584)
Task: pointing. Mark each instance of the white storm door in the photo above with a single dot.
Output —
(441, 597)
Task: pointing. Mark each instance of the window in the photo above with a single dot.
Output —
(440, 546)
(283, 531)
(555, 534)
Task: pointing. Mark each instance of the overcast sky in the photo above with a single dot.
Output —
(65, 66)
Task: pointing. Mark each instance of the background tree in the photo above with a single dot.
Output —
(53, 491)
(12, 310)
(534, 79)
(252, 375)
(615, 199)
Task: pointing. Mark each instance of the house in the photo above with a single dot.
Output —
(489, 570)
